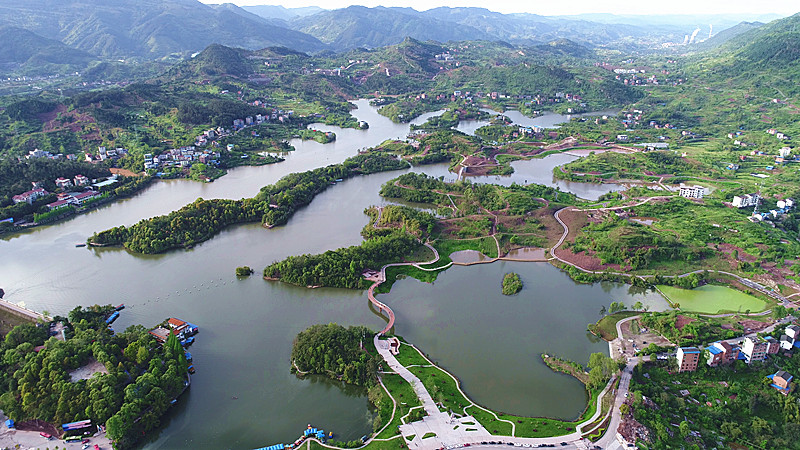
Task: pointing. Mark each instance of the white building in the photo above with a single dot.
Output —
(692, 191)
(746, 200)
(754, 349)
(785, 152)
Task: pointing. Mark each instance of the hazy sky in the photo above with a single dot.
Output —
(783, 7)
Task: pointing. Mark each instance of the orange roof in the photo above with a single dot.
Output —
(176, 323)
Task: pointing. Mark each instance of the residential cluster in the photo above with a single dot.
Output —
(36, 153)
(104, 154)
(183, 330)
(182, 157)
(777, 134)
(753, 349)
(535, 99)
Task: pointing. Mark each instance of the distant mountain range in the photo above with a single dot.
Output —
(70, 34)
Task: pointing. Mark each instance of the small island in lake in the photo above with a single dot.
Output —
(511, 284)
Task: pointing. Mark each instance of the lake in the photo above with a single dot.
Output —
(243, 395)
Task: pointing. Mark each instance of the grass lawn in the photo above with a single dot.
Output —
(607, 326)
(405, 397)
(711, 299)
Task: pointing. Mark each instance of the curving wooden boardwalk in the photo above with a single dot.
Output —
(382, 277)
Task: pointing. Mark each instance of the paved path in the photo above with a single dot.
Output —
(21, 311)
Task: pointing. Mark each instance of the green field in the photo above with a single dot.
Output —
(710, 299)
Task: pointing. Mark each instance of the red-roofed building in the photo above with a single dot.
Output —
(176, 324)
(81, 180)
(30, 196)
(63, 183)
(58, 204)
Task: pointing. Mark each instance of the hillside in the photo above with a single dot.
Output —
(147, 28)
(777, 42)
(768, 55)
(32, 52)
(726, 35)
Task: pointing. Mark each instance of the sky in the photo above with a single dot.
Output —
(782, 7)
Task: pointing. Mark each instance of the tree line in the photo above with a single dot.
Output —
(343, 267)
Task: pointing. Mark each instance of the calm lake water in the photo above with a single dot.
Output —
(243, 395)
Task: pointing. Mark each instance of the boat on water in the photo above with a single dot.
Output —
(120, 307)
(80, 245)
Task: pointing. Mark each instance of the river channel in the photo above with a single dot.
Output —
(243, 395)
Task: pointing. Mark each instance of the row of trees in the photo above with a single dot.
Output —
(274, 205)
(139, 380)
(343, 267)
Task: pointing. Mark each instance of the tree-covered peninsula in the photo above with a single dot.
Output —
(274, 205)
(130, 384)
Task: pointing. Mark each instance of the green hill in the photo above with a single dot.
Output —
(726, 35)
(31, 53)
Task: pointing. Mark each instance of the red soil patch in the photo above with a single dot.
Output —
(681, 321)
(40, 426)
(124, 172)
(729, 249)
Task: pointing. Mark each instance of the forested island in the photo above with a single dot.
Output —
(336, 352)
(512, 284)
(131, 381)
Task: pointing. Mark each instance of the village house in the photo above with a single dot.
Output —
(81, 180)
(754, 349)
(688, 358)
(781, 381)
(745, 201)
(773, 345)
(722, 352)
(692, 191)
(63, 183)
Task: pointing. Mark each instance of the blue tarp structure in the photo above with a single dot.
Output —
(10, 423)
(272, 447)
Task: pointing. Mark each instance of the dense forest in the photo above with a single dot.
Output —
(337, 352)
(731, 404)
(190, 225)
(139, 378)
